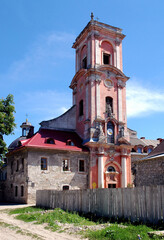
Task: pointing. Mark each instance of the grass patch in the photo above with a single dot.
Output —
(116, 232)
(51, 217)
(25, 210)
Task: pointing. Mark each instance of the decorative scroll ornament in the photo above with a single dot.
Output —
(120, 83)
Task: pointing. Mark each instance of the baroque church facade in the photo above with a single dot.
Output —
(89, 145)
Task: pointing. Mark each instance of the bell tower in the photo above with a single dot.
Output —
(99, 93)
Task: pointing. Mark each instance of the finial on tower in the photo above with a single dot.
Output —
(92, 16)
(26, 118)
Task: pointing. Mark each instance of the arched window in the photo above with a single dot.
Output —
(16, 191)
(70, 143)
(81, 108)
(149, 150)
(106, 58)
(22, 191)
(107, 53)
(24, 132)
(111, 169)
(50, 141)
(84, 63)
(65, 187)
(109, 106)
(139, 149)
(84, 57)
(110, 132)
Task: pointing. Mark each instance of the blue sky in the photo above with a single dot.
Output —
(37, 62)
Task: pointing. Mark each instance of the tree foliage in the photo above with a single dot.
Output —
(7, 120)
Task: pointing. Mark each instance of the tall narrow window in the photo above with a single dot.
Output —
(84, 63)
(110, 132)
(12, 167)
(22, 191)
(16, 191)
(43, 163)
(17, 166)
(106, 58)
(24, 132)
(22, 164)
(81, 108)
(109, 106)
(65, 165)
(81, 166)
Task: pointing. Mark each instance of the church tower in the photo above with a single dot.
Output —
(99, 93)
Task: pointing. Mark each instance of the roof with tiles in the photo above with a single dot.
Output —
(135, 141)
(60, 140)
(159, 150)
(143, 142)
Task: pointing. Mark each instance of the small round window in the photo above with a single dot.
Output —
(111, 169)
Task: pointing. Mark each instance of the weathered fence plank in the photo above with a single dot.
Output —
(142, 203)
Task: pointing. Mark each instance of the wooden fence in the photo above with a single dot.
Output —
(144, 204)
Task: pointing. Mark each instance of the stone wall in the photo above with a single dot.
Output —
(16, 177)
(150, 172)
(33, 178)
(135, 157)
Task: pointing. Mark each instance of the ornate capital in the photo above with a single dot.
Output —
(118, 41)
(121, 84)
(98, 80)
(100, 150)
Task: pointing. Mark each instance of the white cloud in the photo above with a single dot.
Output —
(143, 101)
(39, 61)
(45, 104)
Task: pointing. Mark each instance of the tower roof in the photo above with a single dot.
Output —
(96, 25)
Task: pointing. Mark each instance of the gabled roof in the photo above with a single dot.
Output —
(60, 140)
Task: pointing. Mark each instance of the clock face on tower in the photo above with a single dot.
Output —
(110, 131)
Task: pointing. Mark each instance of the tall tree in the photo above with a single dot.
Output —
(7, 121)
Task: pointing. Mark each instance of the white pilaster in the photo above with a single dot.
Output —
(98, 99)
(89, 53)
(92, 106)
(120, 104)
(115, 60)
(118, 56)
(97, 50)
(124, 172)
(77, 61)
(86, 100)
(100, 171)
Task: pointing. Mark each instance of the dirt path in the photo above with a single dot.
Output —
(11, 229)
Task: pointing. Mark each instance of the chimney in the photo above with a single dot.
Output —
(142, 137)
(160, 139)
